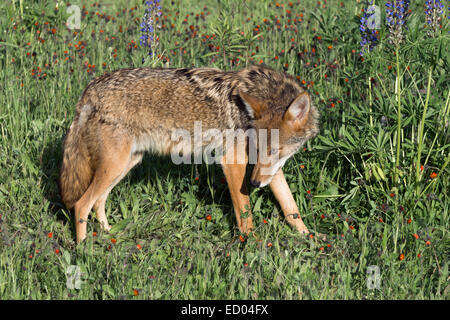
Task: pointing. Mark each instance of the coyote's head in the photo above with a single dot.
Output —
(293, 123)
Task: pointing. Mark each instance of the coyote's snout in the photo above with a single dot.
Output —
(123, 114)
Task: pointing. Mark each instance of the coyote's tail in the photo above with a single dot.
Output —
(76, 171)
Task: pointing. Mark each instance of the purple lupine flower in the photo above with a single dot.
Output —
(434, 10)
(396, 15)
(448, 9)
(148, 39)
(367, 28)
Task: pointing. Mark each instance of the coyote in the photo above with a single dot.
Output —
(123, 114)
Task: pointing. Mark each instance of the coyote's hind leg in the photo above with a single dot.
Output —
(114, 157)
(99, 206)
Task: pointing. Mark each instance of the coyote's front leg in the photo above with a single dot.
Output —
(284, 196)
(235, 175)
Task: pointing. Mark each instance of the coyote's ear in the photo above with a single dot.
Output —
(254, 106)
(298, 109)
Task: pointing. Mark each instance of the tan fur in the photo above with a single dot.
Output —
(123, 114)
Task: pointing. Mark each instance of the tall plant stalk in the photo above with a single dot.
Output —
(421, 130)
(399, 118)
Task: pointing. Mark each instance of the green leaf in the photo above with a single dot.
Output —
(120, 226)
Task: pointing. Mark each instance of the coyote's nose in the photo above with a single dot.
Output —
(255, 183)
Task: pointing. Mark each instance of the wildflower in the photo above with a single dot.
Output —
(147, 38)
(428, 242)
(135, 292)
(396, 15)
(433, 175)
(433, 11)
(401, 257)
(57, 251)
(415, 235)
(409, 221)
(369, 36)
(113, 241)
(208, 217)
(265, 221)
(50, 234)
(269, 244)
(94, 234)
(138, 246)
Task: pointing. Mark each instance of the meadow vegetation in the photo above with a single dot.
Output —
(375, 180)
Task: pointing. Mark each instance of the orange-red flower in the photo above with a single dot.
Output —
(401, 257)
(433, 175)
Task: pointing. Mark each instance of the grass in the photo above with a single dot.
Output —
(386, 214)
